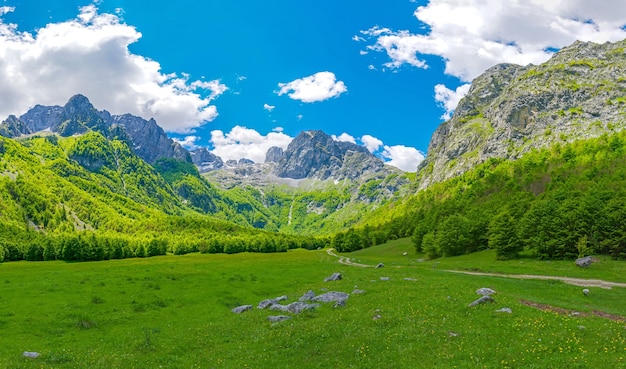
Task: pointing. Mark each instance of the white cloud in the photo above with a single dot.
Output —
(268, 107)
(189, 142)
(449, 99)
(90, 55)
(344, 137)
(242, 142)
(403, 157)
(473, 35)
(318, 87)
(371, 143)
(299, 117)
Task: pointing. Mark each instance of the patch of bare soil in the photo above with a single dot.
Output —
(559, 310)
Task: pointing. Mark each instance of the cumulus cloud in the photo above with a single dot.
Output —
(189, 142)
(268, 107)
(371, 143)
(318, 87)
(344, 137)
(449, 99)
(90, 55)
(403, 157)
(242, 142)
(473, 35)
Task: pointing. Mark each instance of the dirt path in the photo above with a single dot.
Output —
(345, 261)
(574, 281)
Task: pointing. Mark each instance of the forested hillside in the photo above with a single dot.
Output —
(89, 198)
(557, 203)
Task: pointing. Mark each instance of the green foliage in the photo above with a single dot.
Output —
(547, 203)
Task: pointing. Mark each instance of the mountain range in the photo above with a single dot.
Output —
(74, 168)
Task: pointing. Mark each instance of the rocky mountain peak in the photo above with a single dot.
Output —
(314, 154)
(511, 109)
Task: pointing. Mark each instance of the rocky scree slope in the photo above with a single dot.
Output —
(510, 109)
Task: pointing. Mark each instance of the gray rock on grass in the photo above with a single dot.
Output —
(584, 262)
(333, 277)
(242, 308)
(358, 292)
(482, 300)
(307, 296)
(485, 291)
(380, 265)
(505, 310)
(278, 318)
(31, 354)
(332, 296)
(269, 302)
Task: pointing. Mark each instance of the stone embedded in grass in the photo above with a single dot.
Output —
(31, 354)
(586, 291)
(380, 265)
(584, 262)
(269, 302)
(340, 303)
(485, 291)
(307, 296)
(482, 300)
(241, 309)
(410, 279)
(279, 307)
(332, 296)
(278, 318)
(358, 292)
(384, 278)
(298, 307)
(333, 277)
(505, 310)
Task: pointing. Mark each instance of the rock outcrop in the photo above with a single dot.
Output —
(79, 116)
(205, 160)
(511, 109)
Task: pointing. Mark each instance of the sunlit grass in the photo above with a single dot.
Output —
(174, 312)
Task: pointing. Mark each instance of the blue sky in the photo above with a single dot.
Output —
(238, 76)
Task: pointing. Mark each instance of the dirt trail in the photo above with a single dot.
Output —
(346, 261)
(574, 281)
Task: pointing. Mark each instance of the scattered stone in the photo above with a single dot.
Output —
(376, 317)
(333, 277)
(357, 292)
(372, 280)
(269, 302)
(340, 303)
(485, 291)
(574, 313)
(582, 327)
(453, 334)
(586, 291)
(31, 354)
(278, 318)
(298, 307)
(410, 279)
(482, 300)
(279, 307)
(584, 262)
(505, 310)
(380, 265)
(384, 278)
(331, 297)
(405, 253)
(307, 296)
(241, 309)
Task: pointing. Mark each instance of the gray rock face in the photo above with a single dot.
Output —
(13, 127)
(333, 277)
(511, 109)
(205, 160)
(332, 296)
(314, 154)
(584, 262)
(244, 161)
(78, 116)
(274, 154)
(241, 309)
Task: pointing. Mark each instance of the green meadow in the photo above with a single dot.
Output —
(175, 312)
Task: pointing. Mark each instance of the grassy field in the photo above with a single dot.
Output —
(174, 312)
